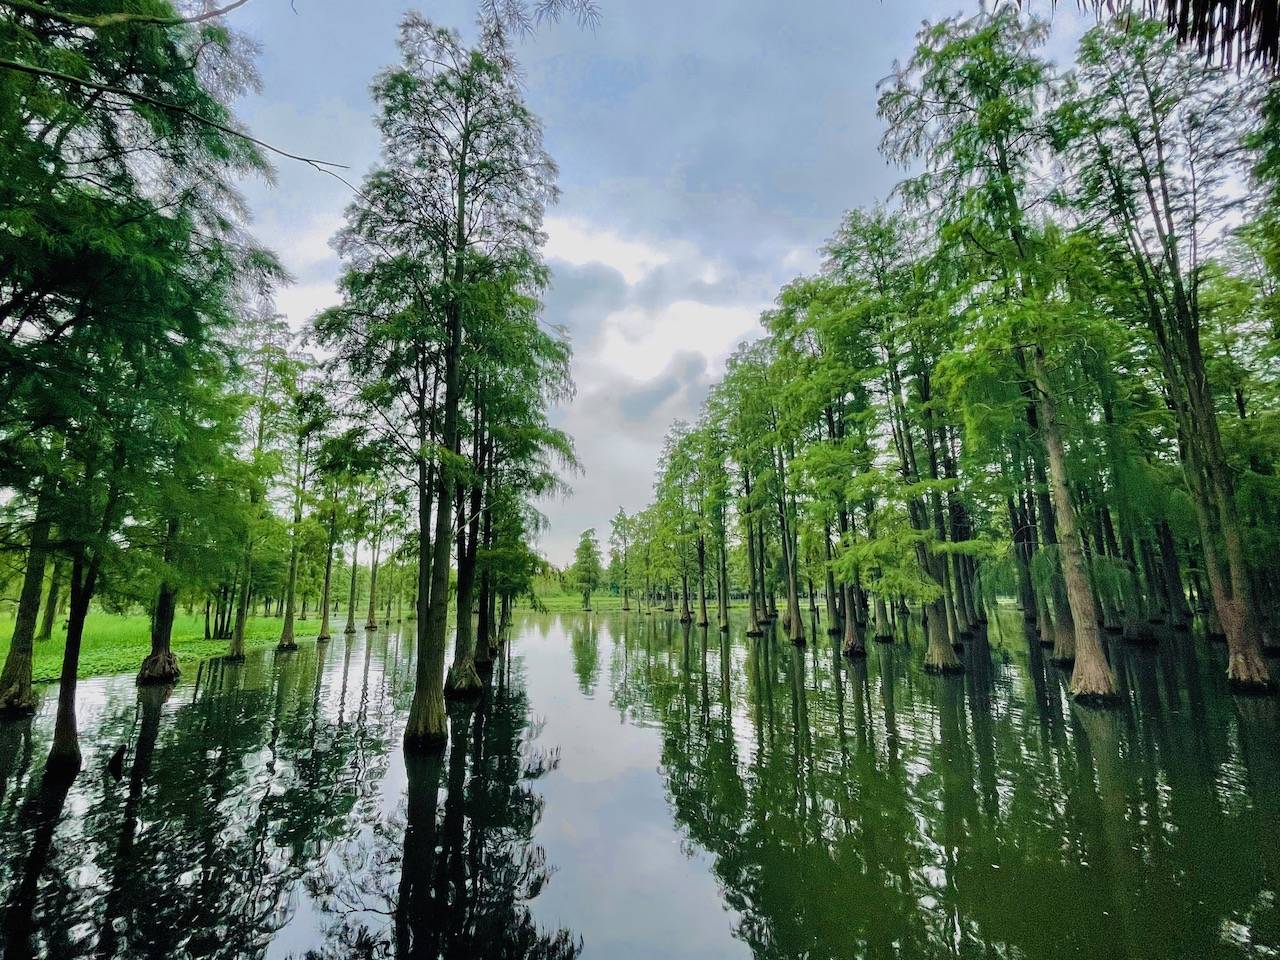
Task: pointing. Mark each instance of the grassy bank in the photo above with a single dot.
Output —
(117, 644)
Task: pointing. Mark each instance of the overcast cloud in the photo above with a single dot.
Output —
(706, 148)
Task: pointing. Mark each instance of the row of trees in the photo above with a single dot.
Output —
(168, 441)
(1048, 370)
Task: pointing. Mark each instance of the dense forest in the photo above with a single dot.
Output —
(1044, 369)
(1020, 430)
(169, 442)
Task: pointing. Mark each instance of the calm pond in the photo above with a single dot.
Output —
(635, 788)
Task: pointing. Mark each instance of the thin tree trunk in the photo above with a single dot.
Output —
(16, 694)
(351, 589)
(161, 666)
(327, 587)
(51, 603)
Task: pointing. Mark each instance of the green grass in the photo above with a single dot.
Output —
(558, 601)
(117, 644)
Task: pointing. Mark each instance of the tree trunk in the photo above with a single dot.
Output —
(351, 589)
(853, 642)
(464, 680)
(703, 619)
(51, 604)
(235, 650)
(1179, 612)
(287, 642)
(16, 694)
(371, 621)
(327, 587)
(1092, 679)
(753, 618)
(161, 666)
(722, 590)
(64, 754)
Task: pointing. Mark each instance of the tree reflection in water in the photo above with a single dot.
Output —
(861, 808)
(453, 879)
(267, 783)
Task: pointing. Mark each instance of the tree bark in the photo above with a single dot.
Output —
(1092, 679)
(51, 603)
(326, 589)
(16, 694)
(161, 666)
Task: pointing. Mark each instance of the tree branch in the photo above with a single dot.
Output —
(324, 166)
(118, 18)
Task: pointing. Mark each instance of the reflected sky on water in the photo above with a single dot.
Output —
(634, 787)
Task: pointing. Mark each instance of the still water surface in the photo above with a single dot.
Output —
(632, 787)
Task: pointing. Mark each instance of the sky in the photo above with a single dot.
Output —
(707, 149)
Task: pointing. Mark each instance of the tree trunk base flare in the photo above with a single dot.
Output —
(286, 646)
(17, 696)
(350, 630)
(1113, 628)
(370, 628)
(323, 638)
(1246, 673)
(1182, 626)
(63, 762)
(940, 658)
(755, 633)
(704, 623)
(1063, 659)
(233, 658)
(427, 730)
(724, 628)
(856, 649)
(159, 668)
(463, 681)
(1093, 683)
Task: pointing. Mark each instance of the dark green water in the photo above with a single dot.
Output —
(635, 788)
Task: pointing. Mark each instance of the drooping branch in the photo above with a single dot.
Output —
(120, 17)
(324, 166)
(1236, 32)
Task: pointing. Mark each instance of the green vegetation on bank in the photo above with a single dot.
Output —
(117, 643)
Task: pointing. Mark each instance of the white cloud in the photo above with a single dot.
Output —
(301, 301)
(579, 242)
(640, 343)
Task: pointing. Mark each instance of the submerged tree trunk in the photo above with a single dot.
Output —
(161, 666)
(1092, 679)
(235, 649)
(287, 642)
(753, 618)
(351, 589)
(722, 590)
(371, 621)
(853, 642)
(427, 726)
(16, 694)
(327, 587)
(703, 619)
(464, 680)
